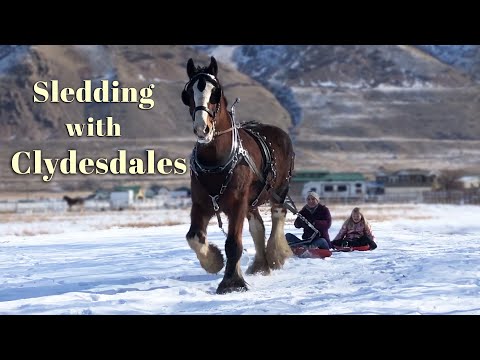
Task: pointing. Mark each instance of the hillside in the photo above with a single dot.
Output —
(347, 107)
(132, 66)
(464, 57)
(360, 107)
(25, 125)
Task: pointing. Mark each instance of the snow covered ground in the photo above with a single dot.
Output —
(138, 262)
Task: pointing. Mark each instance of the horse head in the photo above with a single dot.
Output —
(202, 94)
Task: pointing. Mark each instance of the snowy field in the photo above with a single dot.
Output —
(138, 262)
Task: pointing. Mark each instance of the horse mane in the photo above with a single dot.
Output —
(251, 124)
(200, 69)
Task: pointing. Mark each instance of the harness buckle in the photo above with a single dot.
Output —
(242, 151)
(214, 202)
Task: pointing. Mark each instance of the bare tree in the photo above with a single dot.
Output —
(449, 180)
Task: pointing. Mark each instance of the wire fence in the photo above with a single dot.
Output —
(55, 205)
(45, 206)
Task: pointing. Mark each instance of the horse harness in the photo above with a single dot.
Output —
(237, 153)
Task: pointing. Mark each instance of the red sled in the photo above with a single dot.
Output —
(304, 252)
(353, 248)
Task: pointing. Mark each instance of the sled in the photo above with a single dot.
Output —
(353, 248)
(314, 253)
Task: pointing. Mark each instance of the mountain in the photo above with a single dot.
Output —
(133, 66)
(347, 107)
(286, 68)
(167, 127)
(356, 107)
(463, 57)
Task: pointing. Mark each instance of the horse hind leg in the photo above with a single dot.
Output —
(257, 230)
(278, 249)
(209, 255)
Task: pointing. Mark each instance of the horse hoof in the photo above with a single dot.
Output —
(277, 262)
(276, 256)
(258, 267)
(228, 290)
(229, 286)
(212, 262)
(276, 265)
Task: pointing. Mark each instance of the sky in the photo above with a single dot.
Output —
(138, 262)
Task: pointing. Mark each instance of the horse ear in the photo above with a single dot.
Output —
(213, 67)
(190, 68)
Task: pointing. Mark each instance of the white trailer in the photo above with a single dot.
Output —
(121, 200)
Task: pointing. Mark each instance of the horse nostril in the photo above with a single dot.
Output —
(206, 130)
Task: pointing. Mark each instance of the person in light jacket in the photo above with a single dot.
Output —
(355, 231)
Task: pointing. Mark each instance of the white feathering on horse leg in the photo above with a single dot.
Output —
(277, 247)
(209, 255)
(257, 230)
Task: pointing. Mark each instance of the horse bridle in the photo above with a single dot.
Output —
(214, 97)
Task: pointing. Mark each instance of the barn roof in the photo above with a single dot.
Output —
(302, 176)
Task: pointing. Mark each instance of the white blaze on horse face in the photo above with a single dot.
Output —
(201, 125)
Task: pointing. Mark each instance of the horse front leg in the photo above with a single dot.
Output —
(233, 279)
(257, 230)
(278, 249)
(209, 255)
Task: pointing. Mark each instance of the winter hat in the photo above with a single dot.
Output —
(313, 194)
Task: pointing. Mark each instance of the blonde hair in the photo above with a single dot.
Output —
(349, 222)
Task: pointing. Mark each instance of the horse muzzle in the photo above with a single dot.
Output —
(203, 130)
(204, 134)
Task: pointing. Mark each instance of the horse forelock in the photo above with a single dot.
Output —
(199, 76)
(201, 84)
(201, 70)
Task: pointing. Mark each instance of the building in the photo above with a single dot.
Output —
(406, 184)
(470, 182)
(138, 191)
(406, 178)
(333, 186)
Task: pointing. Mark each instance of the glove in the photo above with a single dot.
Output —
(345, 243)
